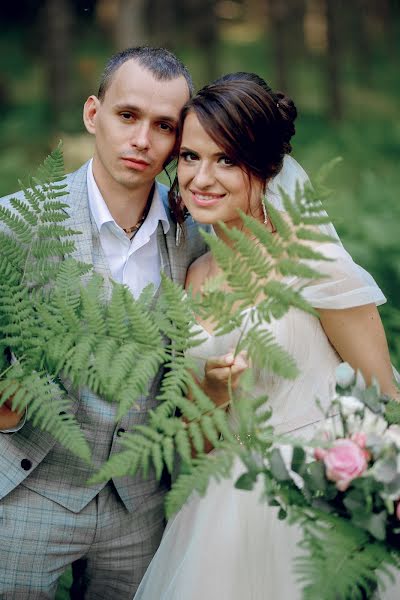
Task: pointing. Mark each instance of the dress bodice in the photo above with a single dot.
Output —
(343, 284)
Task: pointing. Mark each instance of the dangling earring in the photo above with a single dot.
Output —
(178, 235)
(264, 208)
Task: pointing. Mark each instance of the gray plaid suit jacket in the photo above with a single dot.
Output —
(31, 457)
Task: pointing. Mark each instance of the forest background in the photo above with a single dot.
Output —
(339, 61)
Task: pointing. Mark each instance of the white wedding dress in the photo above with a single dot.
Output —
(228, 545)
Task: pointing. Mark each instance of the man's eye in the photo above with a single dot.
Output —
(188, 156)
(166, 127)
(126, 115)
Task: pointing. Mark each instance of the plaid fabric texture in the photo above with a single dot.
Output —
(44, 498)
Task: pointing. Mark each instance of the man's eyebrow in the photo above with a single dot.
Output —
(139, 111)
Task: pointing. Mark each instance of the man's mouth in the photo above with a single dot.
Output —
(138, 164)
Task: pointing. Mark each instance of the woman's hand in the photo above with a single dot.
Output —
(222, 375)
(9, 418)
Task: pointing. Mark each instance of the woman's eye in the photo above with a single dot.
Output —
(188, 156)
(225, 160)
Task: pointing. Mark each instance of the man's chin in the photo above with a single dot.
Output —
(134, 181)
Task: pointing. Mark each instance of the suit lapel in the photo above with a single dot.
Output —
(79, 215)
(88, 248)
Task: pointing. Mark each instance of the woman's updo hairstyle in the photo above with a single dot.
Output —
(285, 104)
(251, 123)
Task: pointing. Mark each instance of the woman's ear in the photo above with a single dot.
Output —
(90, 110)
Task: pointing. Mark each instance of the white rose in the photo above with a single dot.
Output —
(350, 405)
(329, 430)
(392, 434)
(373, 423)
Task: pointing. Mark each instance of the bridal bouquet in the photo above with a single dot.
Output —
(342, 488)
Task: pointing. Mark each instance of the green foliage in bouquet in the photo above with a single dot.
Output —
(341, 488)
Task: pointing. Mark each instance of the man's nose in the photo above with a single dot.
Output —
(141, 136)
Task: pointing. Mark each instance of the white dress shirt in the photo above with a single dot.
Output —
(135, 262)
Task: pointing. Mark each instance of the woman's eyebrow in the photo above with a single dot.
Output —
(215, 154)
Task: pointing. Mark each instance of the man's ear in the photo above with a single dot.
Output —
(90, 110)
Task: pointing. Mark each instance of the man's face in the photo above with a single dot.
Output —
(134, 126)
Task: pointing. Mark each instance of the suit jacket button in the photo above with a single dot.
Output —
(120, 431)
(26, 464)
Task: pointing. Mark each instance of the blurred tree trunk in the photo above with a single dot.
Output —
(58, 20)
(278, 14)
(130, 24)
(295, 30)
(360, 37)
(162, 19)
(390, 14)
(201, 22)
(333, 10)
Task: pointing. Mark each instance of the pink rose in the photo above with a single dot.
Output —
(360, 438)
(344, 461)
(320, 453)
(398, 510)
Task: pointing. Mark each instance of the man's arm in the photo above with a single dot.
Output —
(11, 420)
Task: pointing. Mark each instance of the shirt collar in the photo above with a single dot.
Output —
(101, 213)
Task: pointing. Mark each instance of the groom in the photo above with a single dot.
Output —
(49, 516)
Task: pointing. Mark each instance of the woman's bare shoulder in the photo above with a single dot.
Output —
(197, 272)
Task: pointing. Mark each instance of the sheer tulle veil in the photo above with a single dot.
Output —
(293, 173)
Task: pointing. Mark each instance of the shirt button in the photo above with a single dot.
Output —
(26, 464)
(120, 431)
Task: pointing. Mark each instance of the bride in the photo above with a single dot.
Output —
(234, 149)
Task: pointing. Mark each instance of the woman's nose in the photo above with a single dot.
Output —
(204, 175)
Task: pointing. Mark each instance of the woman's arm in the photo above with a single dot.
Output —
(358, 336)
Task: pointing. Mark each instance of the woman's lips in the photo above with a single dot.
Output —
(136, 164)
(202, 199)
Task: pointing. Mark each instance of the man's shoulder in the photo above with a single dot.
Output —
(76, 182)
(163, 191)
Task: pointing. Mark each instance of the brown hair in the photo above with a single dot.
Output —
(250, 122)
(161, 63)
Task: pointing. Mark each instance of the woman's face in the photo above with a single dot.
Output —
(211, 186)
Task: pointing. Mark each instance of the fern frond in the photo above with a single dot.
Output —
(266, 354)
(281, 298)
(310, 234)
(215, 465)
(48, 407)
(340, 560)
(18, 226)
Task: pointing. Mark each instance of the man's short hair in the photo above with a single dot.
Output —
(163, 65)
